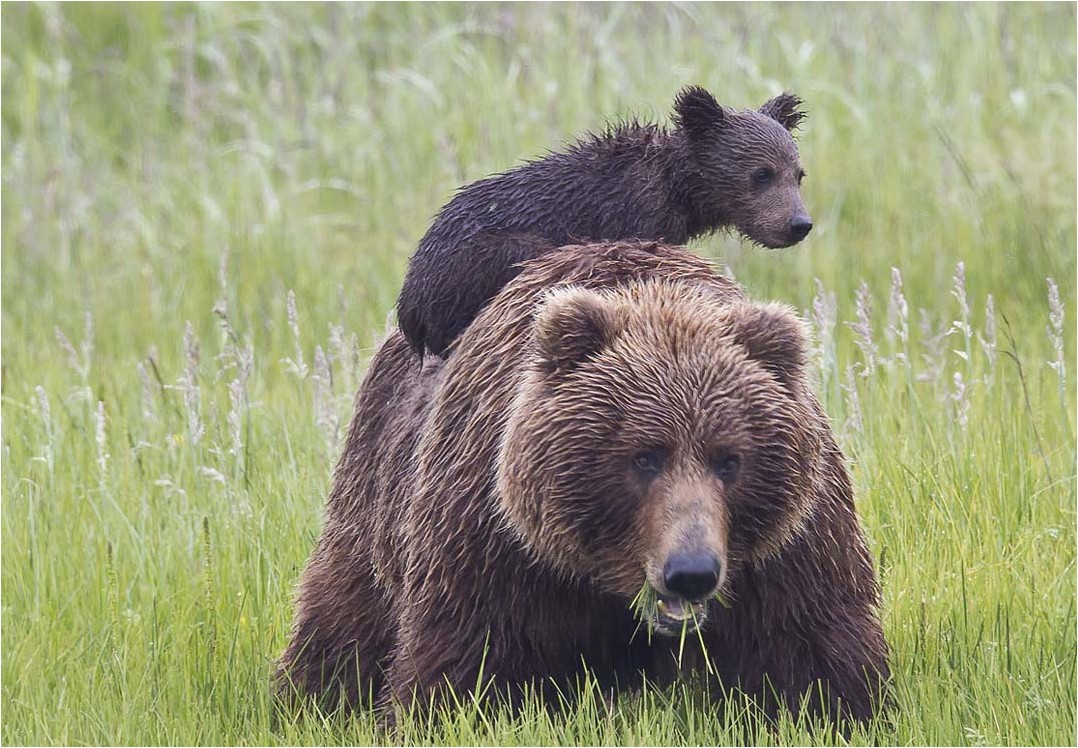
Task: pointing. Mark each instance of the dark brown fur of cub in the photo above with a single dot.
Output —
(715, 167)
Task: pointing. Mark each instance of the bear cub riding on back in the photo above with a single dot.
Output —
(716, 168)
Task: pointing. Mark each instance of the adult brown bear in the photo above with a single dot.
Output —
(618, 418)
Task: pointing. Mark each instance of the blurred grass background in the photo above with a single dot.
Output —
(165, 164)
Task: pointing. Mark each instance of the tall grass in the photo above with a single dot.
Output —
(206, 214)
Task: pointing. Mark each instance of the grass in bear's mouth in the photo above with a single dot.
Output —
(649, 607)
(645, 606)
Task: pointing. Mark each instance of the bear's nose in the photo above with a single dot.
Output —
(691, 575)
(800, 227)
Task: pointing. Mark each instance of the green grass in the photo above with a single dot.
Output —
(146, 575)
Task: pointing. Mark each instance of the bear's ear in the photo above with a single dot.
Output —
(696, 112)
(773, 335)
(572, 325)
(785, 109)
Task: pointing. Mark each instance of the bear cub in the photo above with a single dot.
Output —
(620, 418)
(716, 167)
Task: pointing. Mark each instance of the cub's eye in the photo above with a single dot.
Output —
(800, 176)
(762, 176)
(648, 462)
(726, 468)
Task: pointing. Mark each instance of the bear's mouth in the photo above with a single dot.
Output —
(673, 615)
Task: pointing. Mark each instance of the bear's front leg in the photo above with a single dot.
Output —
(430, 666)
(341, 634)
(446, 655)
(502, 633)
(803, 628)
(832, 668)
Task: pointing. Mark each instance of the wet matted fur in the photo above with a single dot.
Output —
(716, 167)
(487, 512)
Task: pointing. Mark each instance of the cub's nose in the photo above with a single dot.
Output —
(800, 227)
(691, 575)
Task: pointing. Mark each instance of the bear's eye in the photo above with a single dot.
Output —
(800, 176)
(648, 462)
(762, 176)
(726, 468)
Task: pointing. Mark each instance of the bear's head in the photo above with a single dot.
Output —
(659, 436)
(747, 170)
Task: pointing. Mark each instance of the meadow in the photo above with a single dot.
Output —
(207, 211)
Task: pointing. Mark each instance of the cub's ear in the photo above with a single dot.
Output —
(785, 109)
(573, 324)
(696, 112)
(773, 335)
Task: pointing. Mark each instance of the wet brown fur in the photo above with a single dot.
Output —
(636, 181)
(485, 514)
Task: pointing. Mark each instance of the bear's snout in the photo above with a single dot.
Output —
(800, 227)
(692, 576)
